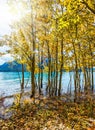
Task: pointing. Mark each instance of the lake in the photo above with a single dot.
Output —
(10, 82)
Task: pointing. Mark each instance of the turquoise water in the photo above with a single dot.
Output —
(10, 82)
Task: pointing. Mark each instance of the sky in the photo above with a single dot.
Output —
(5, 21)
(7, 17)
(5, 58)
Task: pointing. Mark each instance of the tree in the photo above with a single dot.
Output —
(60, 32)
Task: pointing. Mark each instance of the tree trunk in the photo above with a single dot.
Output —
(56, 55)
(22, 83)
(61, 68)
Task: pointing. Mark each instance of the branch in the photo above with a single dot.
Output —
(91, 9)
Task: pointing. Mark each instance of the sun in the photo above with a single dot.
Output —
(8, 17)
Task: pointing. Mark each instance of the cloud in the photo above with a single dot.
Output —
(6, 58)
(4, 48)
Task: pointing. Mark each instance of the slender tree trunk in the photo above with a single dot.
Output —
(33, 76)
(39, 74)
(33, 65)
(92, 71)
(61, 68)
(33, 34)
(42, 69)
(49, 71)
(76, 72)
(92, 80)
(56, 55)
(22, 84)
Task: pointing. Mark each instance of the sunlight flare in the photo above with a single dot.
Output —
(8, 16)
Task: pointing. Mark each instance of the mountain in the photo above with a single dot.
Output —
(11, 67)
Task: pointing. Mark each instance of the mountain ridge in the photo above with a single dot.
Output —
(13, 66)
